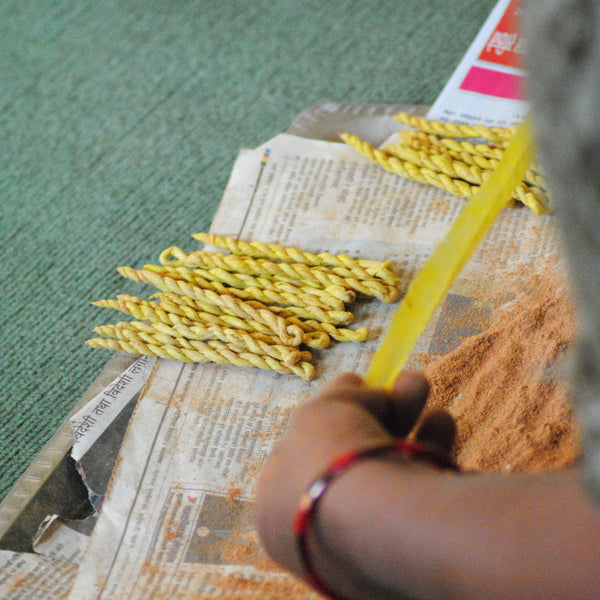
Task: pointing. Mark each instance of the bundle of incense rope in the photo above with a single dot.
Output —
(257, 306)
(443, 155)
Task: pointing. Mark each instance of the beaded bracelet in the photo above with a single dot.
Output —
(310, 500)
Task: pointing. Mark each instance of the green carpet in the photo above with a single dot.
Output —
(119, 124)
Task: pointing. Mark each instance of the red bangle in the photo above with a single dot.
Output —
(310, 500)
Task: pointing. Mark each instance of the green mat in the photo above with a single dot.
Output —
(119, 124)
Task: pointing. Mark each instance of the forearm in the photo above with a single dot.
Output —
(383, 530)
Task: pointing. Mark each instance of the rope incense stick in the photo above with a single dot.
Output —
(444, 177)
(434, 280)
(496, 135)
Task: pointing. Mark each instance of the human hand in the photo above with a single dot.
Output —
(344, 416)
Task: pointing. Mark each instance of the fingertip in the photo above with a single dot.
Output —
(347, 379)
(438, 428)
(343, 380)
(412, 385)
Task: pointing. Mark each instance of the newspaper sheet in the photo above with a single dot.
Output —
(487, 87)
(178, 519)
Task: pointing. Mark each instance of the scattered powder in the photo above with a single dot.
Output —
(238, 586)
(505, 386)
(233, 493)
(244, 548)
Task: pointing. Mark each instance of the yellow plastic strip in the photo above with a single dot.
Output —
(443, 266)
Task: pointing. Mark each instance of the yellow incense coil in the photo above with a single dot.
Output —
(204, 353)
(407, 169)
(454, 183)
(271, 318)
(435, 151)
(196, 285)
(279, 291)
(316, 339)
(188, 310)
(336, 317)
(289, 334)
(453, 130)
(339, 334)
(246, 268)
(179, 334)
(245, 311)
(294, 272)
(441, 269)
(258, 249)
(136, 307)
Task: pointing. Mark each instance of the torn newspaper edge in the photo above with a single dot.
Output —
(97, 415)
(66, 539)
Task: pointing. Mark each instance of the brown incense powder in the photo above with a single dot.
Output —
(506, 388)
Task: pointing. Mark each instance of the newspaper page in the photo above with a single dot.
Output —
(487, 87)
(178, 518)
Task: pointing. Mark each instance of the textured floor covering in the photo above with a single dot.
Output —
(119, 125)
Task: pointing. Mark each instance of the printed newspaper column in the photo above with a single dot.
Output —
(95, 418)
(24, 575)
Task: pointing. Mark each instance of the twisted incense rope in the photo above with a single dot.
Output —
(290, 335)
(316, 338)
(182, 276)
(182, 335)
(155, 313)
(439, 162)
(339, 334)
(417, 138)
(292, 255)
(310, 326)
(407, 169)
(332, 298)
(452, 130)
(297, 273)
(176, 326)
(386, 276)
(457, 187)
(204, 353)
(202, 325)
(481, 155)
(174, 256)
(183, 288)
(459, 169)
(193, 323)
